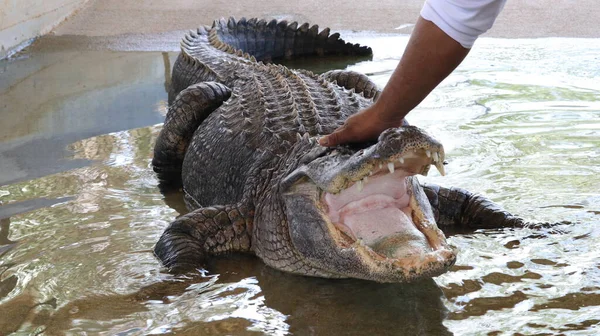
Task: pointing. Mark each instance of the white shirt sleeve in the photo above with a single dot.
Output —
(463, 20)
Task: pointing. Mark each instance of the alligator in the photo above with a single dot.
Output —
(240, 139)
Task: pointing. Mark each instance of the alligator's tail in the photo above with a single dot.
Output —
(268, 41)
(206, 50)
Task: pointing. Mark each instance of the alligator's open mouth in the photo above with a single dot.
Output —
(386, 217)
(366, 210)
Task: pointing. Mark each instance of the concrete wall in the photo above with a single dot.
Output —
(21, 20)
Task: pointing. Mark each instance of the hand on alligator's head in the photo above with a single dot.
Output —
(365, 209)
(363, 126)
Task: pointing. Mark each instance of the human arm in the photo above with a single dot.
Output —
(430, 56)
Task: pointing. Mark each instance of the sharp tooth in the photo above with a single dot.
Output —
(380, 166)
(365, 179)
(359, 183)
(440, 167)
(401, 160)
(436, 157)
(391, 167)
(371, 173)
(428, 153)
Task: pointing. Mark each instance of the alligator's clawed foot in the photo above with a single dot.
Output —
(211, 230)
(178, 252)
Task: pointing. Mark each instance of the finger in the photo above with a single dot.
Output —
(328, 140)
(339, 136)
(324, 141)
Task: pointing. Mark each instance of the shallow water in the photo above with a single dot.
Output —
(80, 209)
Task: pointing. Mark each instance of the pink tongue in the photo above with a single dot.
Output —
(387, 230)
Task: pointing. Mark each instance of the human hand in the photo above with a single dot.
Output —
(363, 126)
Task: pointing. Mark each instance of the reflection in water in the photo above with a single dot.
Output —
(99, 92)
(257, 298)
(5, 242)
(323, 307)
(14, 310)
(167, 67)
(520, 122)
(7, 284)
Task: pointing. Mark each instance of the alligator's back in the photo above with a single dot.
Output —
(252, 128)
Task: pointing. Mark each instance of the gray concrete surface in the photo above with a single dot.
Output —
(520, 18)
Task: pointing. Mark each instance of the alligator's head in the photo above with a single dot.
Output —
(361, 212)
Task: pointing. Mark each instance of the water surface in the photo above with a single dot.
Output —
(80, 208)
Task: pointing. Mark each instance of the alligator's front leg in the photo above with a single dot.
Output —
(353, 80)
(205, 231)
(460, 209)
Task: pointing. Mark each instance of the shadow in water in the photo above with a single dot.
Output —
(174, 200)
(317, 306)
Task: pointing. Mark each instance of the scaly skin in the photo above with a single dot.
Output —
(240, 135)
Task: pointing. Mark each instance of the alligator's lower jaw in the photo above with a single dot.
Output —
(382, 220)
(384, 224)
